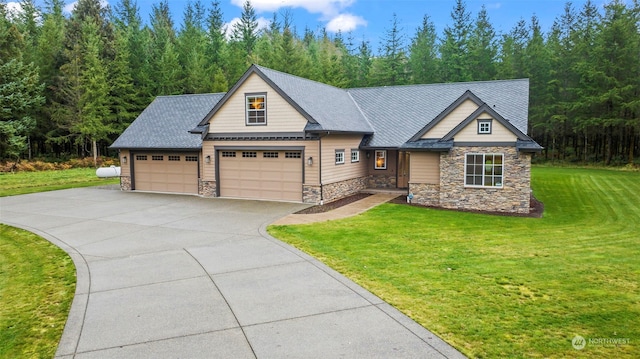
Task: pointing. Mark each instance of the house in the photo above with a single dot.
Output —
(276, 136)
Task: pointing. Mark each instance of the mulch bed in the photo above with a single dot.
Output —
(535, 210)
(335, 204)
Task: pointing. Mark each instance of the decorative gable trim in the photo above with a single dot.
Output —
(254, 70)
(484, 108)
(467, 95)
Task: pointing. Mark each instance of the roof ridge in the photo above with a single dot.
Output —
(300, 78)
(438, 84)
(191, 95)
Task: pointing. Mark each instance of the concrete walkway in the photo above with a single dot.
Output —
(348, 210)
(167, 276)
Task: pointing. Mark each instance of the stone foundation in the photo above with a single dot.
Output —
(207, 188)
(513, 197)
(425, 194)
(125, 183)
(311, 194)
(381, 181)
(334, 191)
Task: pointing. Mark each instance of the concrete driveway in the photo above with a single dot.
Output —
(168, 276)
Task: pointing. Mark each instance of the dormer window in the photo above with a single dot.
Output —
(484, 126)
(256, 106)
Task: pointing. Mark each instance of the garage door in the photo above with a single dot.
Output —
(166, 172)
(270, 175)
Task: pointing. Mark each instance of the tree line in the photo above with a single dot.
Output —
(70, 84)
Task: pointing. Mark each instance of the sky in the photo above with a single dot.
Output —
(369, 19)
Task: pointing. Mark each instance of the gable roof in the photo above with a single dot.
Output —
(166, 122)
(399, 113)
(327, 108)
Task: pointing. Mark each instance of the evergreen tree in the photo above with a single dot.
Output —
(482, 48)
(423, 58)
(391, 67)
(164, 62)
(365, 61)
(192, 42)
(216, 48)
(93, 103)
(20, 91)
(454, 48)
(617, 50)
(245, 32)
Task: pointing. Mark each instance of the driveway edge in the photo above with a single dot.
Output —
(75, 319)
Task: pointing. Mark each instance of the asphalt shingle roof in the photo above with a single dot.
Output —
(392, 115)
(330, 107)
(399, 112)
(166, 122)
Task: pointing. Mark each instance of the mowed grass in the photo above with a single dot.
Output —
(37, 285)
(31, 182)
(504, 287)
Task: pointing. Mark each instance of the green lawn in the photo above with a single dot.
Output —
(37, 285)
(499, 287)
(30, 182)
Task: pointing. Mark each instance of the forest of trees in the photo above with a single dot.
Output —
(70, 84)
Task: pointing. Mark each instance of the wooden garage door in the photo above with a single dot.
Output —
(166, 172)
(270, 175)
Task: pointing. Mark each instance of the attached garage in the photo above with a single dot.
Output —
(165, 172)
(265, 174)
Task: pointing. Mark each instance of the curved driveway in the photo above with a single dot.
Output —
(168, 276)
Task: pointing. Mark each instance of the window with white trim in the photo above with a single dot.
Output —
(355, 155)
(484, 127)
(380, 160)
(256, 106)
(339, 157)
(484, 170)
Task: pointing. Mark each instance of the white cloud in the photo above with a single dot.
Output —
(331, 11)
(325, 7)
(496, 5)
(345, 23)
(14, 9)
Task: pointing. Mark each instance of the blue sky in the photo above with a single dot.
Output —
(368, 19)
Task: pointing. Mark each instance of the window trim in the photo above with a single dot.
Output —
(483, 174)
(375, 160)
(341, 160)
(247, 109)
(482, 121)
(356, 158)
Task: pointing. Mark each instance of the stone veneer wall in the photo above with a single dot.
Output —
(207, 188)
(337, 190)
(381, 181)
(125, 183)
(311, 194)
(513, 197)
(425, 194)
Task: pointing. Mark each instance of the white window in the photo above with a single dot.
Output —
(484, 127)
(355, 155)
(339, 157)
(381, 160)
(256, 106)
(484, 170)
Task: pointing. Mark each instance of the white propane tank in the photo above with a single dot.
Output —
(106, 172)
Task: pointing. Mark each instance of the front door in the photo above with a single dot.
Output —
(403, 169)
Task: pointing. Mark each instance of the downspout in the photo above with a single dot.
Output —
(320, 167)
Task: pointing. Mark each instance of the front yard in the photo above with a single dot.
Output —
(497, 286)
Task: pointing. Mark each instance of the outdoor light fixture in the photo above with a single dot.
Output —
(310, 161)
(207, 159)
(124, 159)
